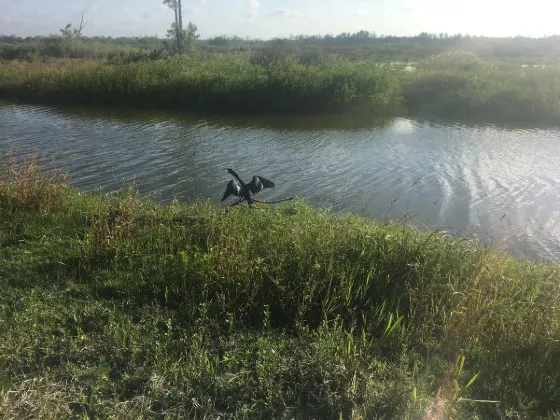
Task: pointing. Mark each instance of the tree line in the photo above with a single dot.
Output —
(181, 39)
(190, 35)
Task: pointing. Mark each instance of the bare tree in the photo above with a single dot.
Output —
(72, 36)
(182, 38)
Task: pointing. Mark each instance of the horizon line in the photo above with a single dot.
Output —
(326, 36)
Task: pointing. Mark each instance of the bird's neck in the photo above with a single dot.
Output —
(236, 176)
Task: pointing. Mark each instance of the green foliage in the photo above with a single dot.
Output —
(56, 47)
(485, 90)
(18, 52)
(190, 36)
(220, 40)
(182, 40)
(281, 79)
(270, 54)
(135, 55)
(118, 307)
(359, 45)
(452, 60)
(53, 46)
(222, 83)
(310, 49)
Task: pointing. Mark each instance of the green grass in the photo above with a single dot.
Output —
(56, 48)
(455, 85)
(117, 306)
(461, 85)
(227, 83)
(352, 46)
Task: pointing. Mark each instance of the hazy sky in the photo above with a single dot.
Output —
(270, 18)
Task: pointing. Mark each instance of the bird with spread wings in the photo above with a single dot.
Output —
(242, 190)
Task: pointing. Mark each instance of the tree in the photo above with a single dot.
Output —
(72, 36)
(176, 28)
(181, 39)
(184, 38)
(221, 40)
(190, 35)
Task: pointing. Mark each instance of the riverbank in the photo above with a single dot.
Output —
(457, 85)
(118, 306)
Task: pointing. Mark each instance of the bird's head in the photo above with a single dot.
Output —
(231, 172)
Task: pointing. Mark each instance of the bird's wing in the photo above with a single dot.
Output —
(266, 183)
(233, 187)
(258, 183)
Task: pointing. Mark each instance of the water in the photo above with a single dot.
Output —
(500, 183)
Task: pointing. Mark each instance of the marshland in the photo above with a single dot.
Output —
(415, 276)
(277, 79)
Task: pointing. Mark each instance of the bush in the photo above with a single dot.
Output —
(18, 52)
(135, 56)
(265, 56)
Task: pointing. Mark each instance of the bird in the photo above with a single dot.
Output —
(238, 188)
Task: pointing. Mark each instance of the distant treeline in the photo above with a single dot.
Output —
(362, 44)
(360, 37)
(135, 40)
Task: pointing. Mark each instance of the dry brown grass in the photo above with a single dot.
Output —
(24, 186)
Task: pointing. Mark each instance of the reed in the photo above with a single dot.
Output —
(462, 86)
(457, 85)
(118, 306)
(224, 83)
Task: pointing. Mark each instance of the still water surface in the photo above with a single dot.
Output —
(500, 183)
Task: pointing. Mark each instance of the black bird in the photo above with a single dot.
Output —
(238, 188)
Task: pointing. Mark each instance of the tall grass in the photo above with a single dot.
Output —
(461, 85)
(450, 85)
(56, 47)
(229, 83)
(116, 306)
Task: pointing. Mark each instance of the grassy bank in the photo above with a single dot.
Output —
(116, 306)
(450, 85)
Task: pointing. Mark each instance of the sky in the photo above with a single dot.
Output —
(272, 18)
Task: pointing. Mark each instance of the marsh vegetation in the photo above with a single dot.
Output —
(119, 306)
(454, 84)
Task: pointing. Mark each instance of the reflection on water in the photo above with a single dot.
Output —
(502, 184)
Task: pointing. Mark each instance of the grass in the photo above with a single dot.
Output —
(450, 85)
(351, 46)
(461, 85)
(48, 64)
(226, 83)
(55, 48)
(119, 307)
